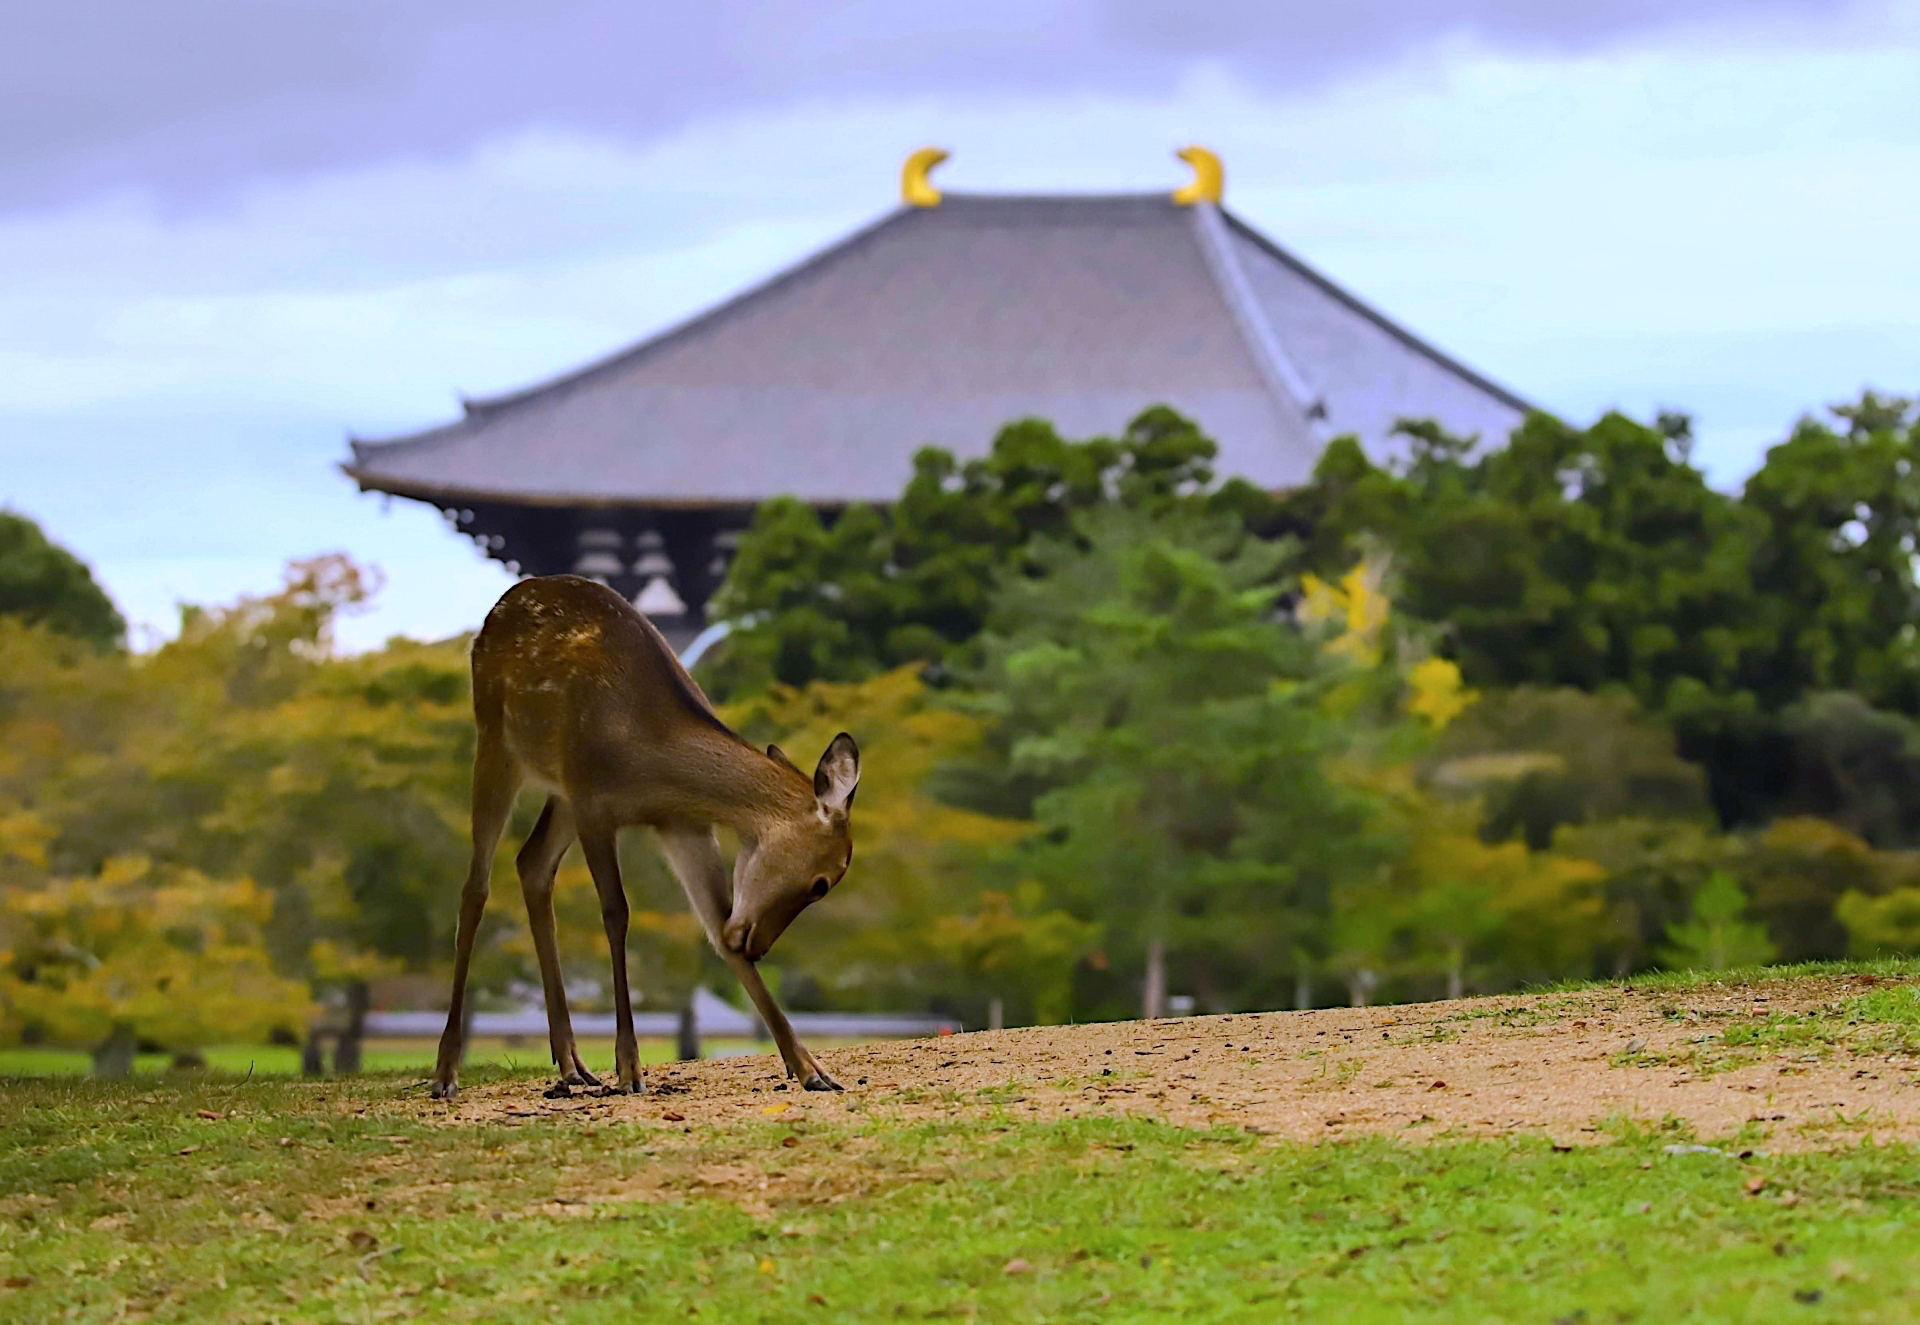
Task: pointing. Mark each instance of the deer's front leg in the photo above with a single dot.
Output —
(702, 872)
(802, 1066)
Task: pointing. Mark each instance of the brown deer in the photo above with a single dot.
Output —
(574, 690)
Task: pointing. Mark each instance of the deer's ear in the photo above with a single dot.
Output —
(779, 756)
(838, 776)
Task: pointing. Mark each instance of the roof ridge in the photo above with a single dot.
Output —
(1283, 379)
(1357, 305)
(987, 195)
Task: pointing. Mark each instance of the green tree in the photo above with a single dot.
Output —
(1835, 566)
(875, 588)
(1170, 733)
(1714, 938)
(1539, 759)
(1653, 867)
(1569, 557)
(42, 583)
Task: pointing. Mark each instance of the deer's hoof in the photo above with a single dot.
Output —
(443, 1090)
(626, 1088)
(581, 1077)
(821, 1081)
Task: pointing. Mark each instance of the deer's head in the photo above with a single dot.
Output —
(797, 859)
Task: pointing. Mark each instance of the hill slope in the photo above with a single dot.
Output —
(1810, 1062)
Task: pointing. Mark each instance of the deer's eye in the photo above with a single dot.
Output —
(819, 889)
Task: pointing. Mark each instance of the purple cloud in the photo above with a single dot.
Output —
(189, 98)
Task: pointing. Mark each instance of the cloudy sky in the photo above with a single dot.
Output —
(232, 231)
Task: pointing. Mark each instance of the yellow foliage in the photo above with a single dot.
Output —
(174, 955)
(23, 836)
(339, 963)
(1452, 902)
(1357, 607)
(1008, 940)
(1436, 692)
(914, 858)
(901, 738)
(1881, 926)
(1816, 839)
(1448, 849)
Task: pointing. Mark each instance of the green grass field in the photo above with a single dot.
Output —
(203, 1196)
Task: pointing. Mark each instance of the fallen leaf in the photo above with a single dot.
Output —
(1754, 1185)
(1438, 1085)
(789, 1141)
(673, 1117)
(17, 1280)
(208, 1114)
(361, 1240)
(816, 1299)
(772, 1109)
(286, 1140)
(1018, 1265)
(187, 1150)
(766, 1267)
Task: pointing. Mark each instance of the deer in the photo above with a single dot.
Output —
(577, 693)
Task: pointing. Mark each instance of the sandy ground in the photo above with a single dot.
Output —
(1557, 1065)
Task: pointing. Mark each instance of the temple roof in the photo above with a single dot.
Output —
(936, 325)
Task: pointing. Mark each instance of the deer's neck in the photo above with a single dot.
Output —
(734, 784)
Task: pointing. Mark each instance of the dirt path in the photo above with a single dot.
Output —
(1558, 1065)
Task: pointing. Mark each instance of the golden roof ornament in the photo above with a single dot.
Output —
(916, 190)
(1209, 178)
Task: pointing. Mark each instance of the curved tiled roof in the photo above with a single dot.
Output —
(935, 326)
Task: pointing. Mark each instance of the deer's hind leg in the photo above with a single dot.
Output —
(496, 781)
(597, 844)
(538, 859)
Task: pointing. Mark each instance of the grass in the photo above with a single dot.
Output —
(1884, 1020)
(379, 1056)
(331, 1201)
(1879, 968)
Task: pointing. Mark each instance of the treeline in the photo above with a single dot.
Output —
(1480, 716)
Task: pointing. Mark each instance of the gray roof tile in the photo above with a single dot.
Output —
(936, 326)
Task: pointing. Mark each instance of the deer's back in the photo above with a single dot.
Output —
(578, 682)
